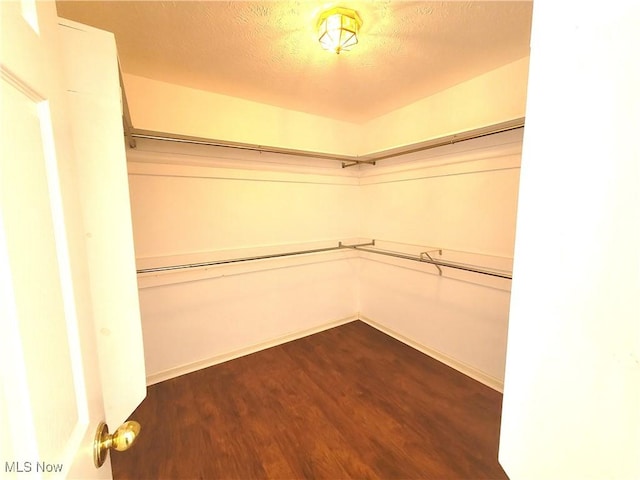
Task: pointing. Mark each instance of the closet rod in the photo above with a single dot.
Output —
(247, 259)
(150, 135)
(341, 246)
(437, 263)
(348, 160)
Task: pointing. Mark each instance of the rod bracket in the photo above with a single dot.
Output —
(358, 162)
(426, 254)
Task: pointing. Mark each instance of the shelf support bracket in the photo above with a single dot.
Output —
(426, 254)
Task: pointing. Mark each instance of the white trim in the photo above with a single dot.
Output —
(480, 260)
(208, 362)
(218, 172)
(170, 277)
(465, 167)
(461, 367)
(492, 146)
(196, 274)
(158, 152)
(156, 158)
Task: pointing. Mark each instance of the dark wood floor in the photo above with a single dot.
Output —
(350, 402)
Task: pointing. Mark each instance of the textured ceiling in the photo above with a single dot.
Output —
(268, 51)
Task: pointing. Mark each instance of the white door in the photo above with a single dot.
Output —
(66, 302)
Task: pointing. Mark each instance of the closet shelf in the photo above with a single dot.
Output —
(244, 259)
(426, 256)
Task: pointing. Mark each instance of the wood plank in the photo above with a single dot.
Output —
(349, 402)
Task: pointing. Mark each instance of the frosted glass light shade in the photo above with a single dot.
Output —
(338, 29)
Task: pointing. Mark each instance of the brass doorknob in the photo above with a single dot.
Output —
(120, 440)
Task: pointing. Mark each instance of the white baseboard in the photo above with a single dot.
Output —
(461, 367)
(208, 362)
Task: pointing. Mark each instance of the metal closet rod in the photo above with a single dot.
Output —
(341, 246)
(149, 135)
(430, 260)
(347, 160)
(247, 259)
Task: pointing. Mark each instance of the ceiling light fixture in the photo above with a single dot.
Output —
(338, 29)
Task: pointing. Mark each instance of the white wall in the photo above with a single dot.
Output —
(200, 203)
(496, 96)
(461, 199)
(572, 391)
(199, 213)
(169, 108)
(195, 323)
(489, 99)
